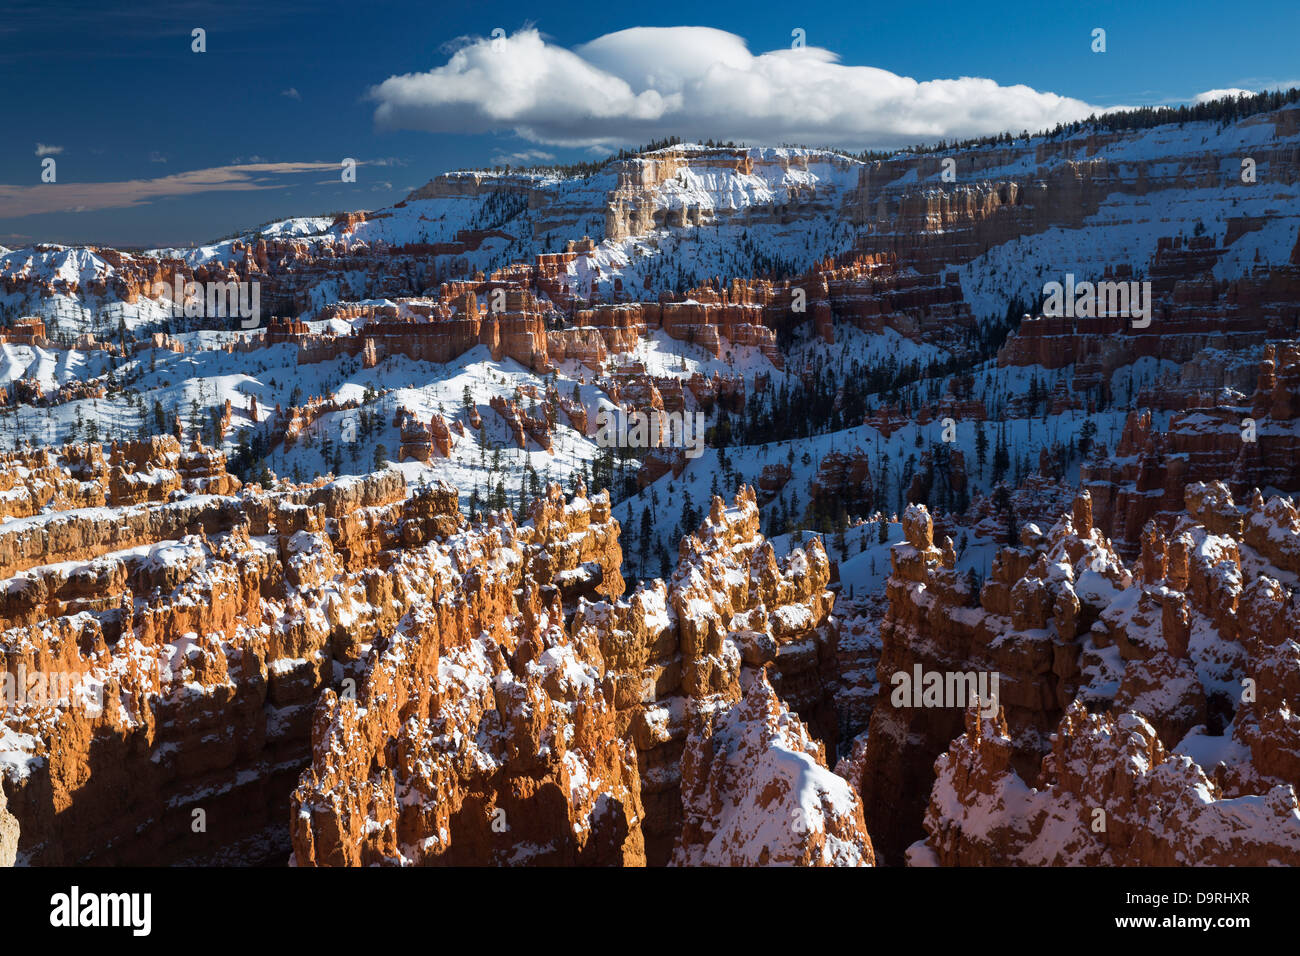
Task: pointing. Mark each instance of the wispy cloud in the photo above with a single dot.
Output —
(648, 82)
(525, 158)
(16, 201)
(43, 150)
(292, 93)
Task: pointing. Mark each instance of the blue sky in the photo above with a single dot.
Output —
(156, 144)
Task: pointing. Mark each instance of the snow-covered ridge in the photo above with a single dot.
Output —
(672, 217)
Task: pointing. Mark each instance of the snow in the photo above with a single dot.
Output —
(18, 760)
(1208, 751)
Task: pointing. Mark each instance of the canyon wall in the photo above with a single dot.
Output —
(349, 673)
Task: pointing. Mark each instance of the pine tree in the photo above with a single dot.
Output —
(647, 528)
(1087, 432)
(1001, 457)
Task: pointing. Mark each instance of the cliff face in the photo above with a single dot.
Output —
(1110, 795)
(756, 791)
(8, 834)
(537, 742)
(159, 660)
(492, 696)
(480, 731)
(1192, 311)
(1171, 740)
(349, 671)
(1003, 193)
(695, 186)
(1246, 441)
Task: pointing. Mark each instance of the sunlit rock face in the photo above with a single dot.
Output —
(1177, 742)
(388, 683)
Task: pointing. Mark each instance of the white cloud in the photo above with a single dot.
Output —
(648, 82)
(292, 93)
(1210, 95)
(43, 150)
(527, 157)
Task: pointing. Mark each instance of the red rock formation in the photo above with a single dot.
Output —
(1164, 650)
(8, 834)
(643, 673)
(522, 426)
(773, 478)
(526, 711)
(173, 625)
(505, 744)
(757, 762)
(1191, 312)
(1110, 794)
(28, 330)
(1023, 629)
(1248, 443)
(843, 480)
